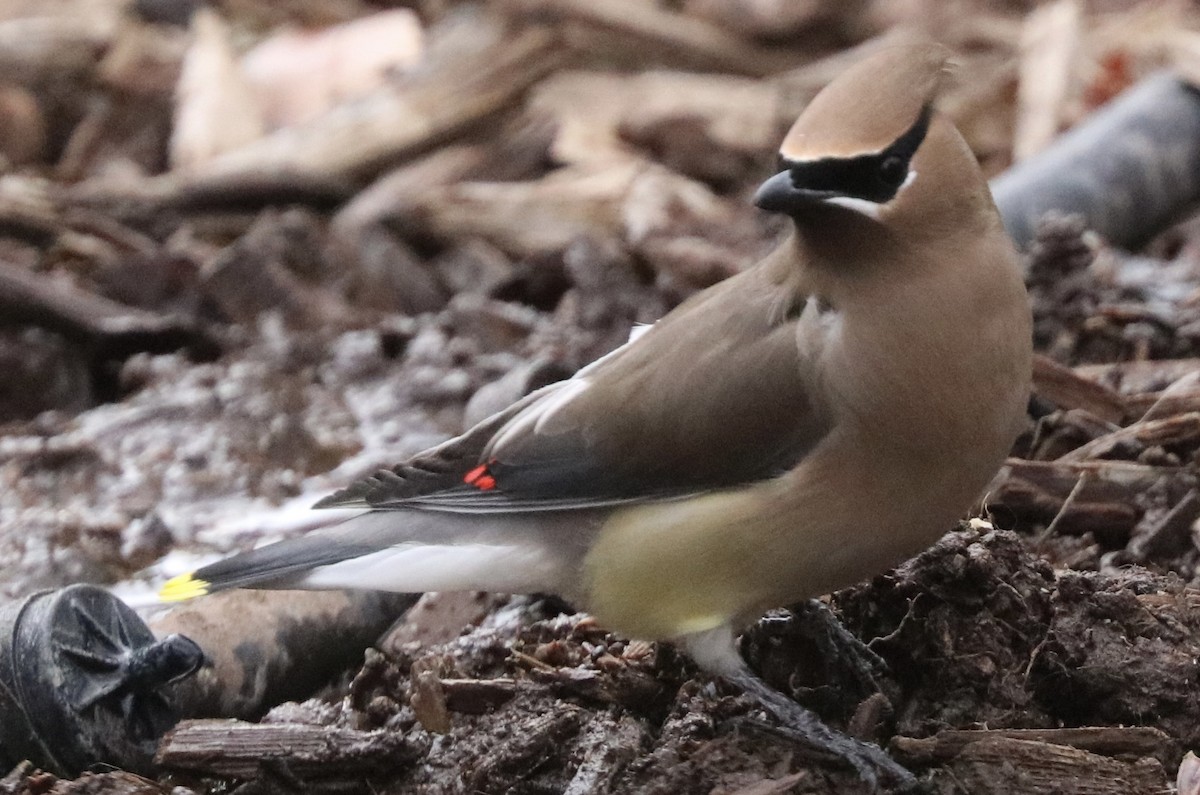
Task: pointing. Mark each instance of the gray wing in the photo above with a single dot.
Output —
(714, 395)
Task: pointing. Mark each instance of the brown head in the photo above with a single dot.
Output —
(872, 144)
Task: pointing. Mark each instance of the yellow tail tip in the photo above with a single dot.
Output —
(182, 588)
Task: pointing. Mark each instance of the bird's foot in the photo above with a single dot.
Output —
(846, 656)
(802, 726)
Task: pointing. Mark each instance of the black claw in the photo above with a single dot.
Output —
(870, 762)
(842, 650)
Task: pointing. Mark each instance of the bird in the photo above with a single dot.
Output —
(809, 422)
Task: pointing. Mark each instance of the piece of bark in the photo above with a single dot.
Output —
(646, 32)
(109, 230)
(474, 268)
(653, 212)
(1170, 535)
(383, 272)
(239, 750)
(775, 20)
(775, 786)
(42, 372)
(388, 196)
(534, 741)
(606, 748)
(1178, 429)
(260, 272)
(27, 212)
(166, 12)
(519, 151)
(1114, 520)
(406, 119)
(602, 116)
(317, 162)
(1070, 390)
(1165, 403)
(530, 219)
(298, 75)
(1131, 741)
(1059, 478)
(379, 268)
(477, 696)
(114, 330)
(147, 198)
(46, 48)
(1106, 479)
(216, 110)
(1187, 780)
(1050, 43)
(1001, 766)
(1136, 377)
(22, 126)
(1063, 431)
(144, 61)
(428, 702)
(25, 779)
(1102, 494)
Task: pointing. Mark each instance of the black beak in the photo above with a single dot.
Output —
(779, 194)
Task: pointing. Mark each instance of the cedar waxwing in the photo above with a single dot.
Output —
(805, 424)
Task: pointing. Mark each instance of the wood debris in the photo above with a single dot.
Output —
(232, 278)
(241, 750)
(1050, 45)
(215, 109)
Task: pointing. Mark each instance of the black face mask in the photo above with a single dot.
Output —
(875, 177)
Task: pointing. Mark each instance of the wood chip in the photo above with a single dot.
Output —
(1171, 534)
(115, 330)
(635, 202)
(595, 112)
(647, 31)
(1002, 766)
(477, 696)
(1187, 781)
(297, 75)
(1138, 377)
(1133, 741)
(533, 742)
(1165, 403)
(1050, 45)
(238, 749)
(215, 108)
(428, 702)
(774, 19)
(1109, 479)
(608, 746)
(1067, 388)
(43, 49)
(774, 786)
(390, 126)
(1172, 430)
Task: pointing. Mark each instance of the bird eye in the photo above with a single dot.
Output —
(893, 170)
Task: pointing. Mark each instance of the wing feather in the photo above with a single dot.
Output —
(715, 395)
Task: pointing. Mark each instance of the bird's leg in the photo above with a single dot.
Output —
(716, 652)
